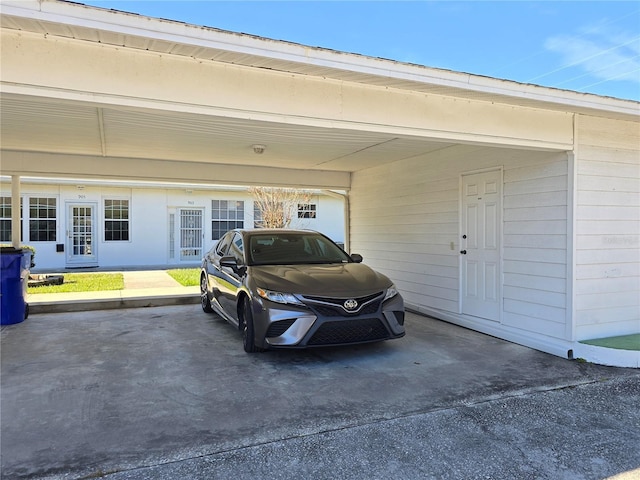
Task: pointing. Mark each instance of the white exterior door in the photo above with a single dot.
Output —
(480, 244)
(81, 235)
(190, 234)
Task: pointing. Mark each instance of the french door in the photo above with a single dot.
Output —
(81, 243)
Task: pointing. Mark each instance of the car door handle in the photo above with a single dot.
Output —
(463, 252)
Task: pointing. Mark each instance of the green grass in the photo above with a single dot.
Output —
(84, 282)
(187, 277)
(95, 282)
(623, 342)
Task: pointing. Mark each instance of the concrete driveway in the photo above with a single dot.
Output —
(167, 392)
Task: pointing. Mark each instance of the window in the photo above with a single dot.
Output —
(5, 219)
(42, 219)
(226, 215)
(306, 210)
(116, 220)
(257, 216)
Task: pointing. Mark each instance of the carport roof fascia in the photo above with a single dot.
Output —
(150, 184)
(130, 30)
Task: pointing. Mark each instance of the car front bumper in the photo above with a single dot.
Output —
(290, 326)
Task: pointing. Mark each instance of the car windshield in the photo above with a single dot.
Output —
(293, 248)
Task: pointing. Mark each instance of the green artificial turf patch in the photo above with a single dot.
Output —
(623, 342)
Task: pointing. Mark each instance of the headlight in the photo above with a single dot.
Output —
(278, 297)
(392, 291)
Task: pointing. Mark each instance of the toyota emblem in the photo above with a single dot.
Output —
(350, 304)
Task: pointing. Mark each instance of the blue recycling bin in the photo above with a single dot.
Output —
(14, 277)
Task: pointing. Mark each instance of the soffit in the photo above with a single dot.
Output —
(35, 124)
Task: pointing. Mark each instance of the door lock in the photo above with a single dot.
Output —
(463, 252)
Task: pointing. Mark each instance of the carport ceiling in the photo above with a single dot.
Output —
(34, 124)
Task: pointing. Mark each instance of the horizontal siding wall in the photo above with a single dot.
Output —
(607, 285)
(535, 245)
(405, 218)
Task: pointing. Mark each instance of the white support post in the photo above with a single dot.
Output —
(15, 211)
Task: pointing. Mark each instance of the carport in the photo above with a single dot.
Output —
(98, 94)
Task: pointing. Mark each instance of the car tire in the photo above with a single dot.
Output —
(248, 332)
(205, 301)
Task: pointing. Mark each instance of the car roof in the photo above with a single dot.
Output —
(273, 230)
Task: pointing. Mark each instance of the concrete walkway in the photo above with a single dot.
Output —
(145, 288)
(149, 279)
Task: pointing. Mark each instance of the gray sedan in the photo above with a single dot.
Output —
(295, 289)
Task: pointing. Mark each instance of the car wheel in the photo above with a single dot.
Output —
(248, 332)
(204, 295)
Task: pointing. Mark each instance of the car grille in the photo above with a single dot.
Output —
(338, 311)
(340, 301)
(333, 307)
(278, 328)
(349, 331)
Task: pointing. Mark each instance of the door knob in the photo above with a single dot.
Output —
(463, 252)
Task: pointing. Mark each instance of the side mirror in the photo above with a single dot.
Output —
(356, 257)
(229, 262)
(232, 263)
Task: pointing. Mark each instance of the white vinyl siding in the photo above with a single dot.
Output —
(607, 284)
(405, 219)
(535, 246)
(405, 231)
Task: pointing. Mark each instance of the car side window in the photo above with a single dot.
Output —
(223, 244)
(237, 249)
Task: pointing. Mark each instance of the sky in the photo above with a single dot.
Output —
(584, 46)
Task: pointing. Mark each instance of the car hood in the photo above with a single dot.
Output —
(344, 280)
